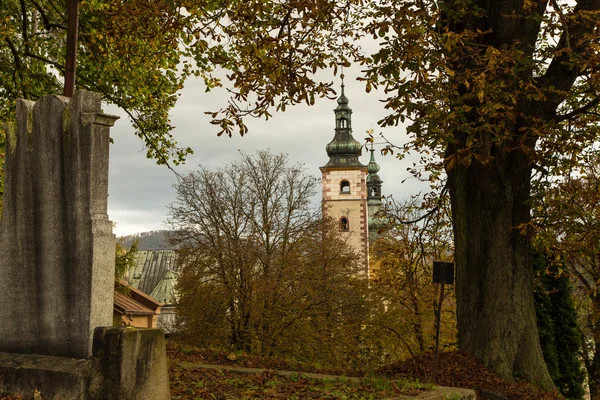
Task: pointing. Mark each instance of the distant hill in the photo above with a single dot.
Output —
(153, 240)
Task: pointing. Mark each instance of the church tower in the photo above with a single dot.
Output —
(344, 184)
(374, 197)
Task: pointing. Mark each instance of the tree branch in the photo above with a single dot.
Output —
(398, 335)
(47, 24)
(284, 22)
(18, 66)
(428, 213)
(561, 74)
(24, 24)
(563, 19)
(580, 110)
(44, 59)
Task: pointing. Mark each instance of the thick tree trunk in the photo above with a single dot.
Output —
(494, 279)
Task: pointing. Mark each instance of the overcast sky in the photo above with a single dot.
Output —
(139, 190)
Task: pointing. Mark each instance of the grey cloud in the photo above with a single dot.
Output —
(140, 190)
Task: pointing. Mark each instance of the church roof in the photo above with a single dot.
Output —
(343, 150)
(373, 168)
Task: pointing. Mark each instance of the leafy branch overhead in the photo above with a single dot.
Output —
(138, 54)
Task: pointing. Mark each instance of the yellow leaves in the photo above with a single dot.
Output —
(450, 162)
(480, 85)
(451, 40)
(481, 96)
(527, 228)
(528, 5)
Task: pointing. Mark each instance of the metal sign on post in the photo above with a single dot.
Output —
(443, 273)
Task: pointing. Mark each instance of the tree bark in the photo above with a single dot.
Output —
(494, 282)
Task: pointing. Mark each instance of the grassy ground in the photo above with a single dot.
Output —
(218, 384)
(407, 378)
(456, 369)
(198, 383)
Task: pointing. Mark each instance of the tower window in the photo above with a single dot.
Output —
(344, 187)
(343, 123)
(344, 225)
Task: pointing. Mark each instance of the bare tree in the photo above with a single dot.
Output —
(402, 261)
(259, 261)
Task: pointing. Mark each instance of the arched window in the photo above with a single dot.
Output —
(342, 122)
(344, 187)
(344, 224)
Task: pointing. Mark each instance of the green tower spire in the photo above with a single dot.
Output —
(343, 150)
(373, 180)
(374, 196)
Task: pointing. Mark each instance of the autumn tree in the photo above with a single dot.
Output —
(138, 54)
(261, 272)
(567, 217)
(402, 264)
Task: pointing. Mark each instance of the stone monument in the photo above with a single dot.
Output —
(57, 254)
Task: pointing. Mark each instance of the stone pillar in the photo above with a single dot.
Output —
(132, 364)
(56, 242)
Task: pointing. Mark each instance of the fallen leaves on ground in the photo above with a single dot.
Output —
(199, 383)
(461, 369)
(189, 353)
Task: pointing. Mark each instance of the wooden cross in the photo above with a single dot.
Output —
(71, 60)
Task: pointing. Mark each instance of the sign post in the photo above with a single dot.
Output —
(443, 273)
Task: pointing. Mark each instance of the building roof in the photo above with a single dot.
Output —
(135, 302)
(343, 150)
(165, 289)
(128, 306)
(151, 266)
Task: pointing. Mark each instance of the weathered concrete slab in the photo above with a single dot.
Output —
(56, 242)
(442, 393)
(54, 377)
(128, 364)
